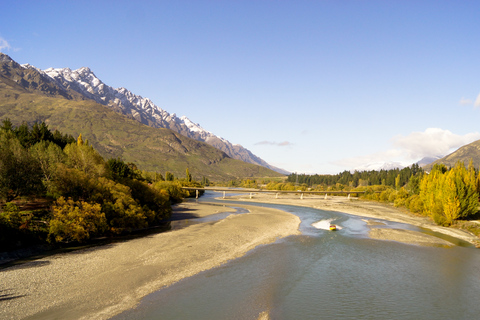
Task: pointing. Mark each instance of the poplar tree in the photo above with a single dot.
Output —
(80, 140)
(449, 195)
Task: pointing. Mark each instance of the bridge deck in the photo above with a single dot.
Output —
(271, 191)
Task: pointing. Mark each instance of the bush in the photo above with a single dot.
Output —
(392, 196)
(10, 216)
(174, 190)
(76, 221)
(415, 204)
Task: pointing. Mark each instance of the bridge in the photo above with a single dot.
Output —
(277, 192)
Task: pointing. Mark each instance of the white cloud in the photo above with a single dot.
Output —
(477, 102)
(413, 147)
(465, 102)
(432, 142)
(4, 45)
(374, 158)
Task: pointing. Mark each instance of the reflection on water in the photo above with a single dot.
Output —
(328, 275)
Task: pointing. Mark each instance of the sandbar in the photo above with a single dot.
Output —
(367, 209)
(100, 282)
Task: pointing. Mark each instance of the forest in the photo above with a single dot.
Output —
(359, 178)
(57, 189)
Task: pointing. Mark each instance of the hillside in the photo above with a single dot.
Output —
(85, 83)
(113, 134)
(465, 154)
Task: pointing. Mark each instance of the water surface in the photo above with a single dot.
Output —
(328, 275)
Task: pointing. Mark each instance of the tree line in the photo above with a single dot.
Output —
(359, 178)
(75, 194)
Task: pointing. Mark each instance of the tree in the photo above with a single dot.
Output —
(20, 173)
(206, 182)
(119, 169)
(413, 185)
(430, 194)
(188, 176)
(397, 182)
(7, 125)
(80, 140)
(23, 134)
(76, 221)
(85, 158)
(48, 155)
(169, 176)
(449, 195)
(40, 132)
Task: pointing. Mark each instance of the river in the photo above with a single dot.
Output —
(322, 274)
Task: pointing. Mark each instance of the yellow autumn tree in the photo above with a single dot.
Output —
(449, 195)
(76, 221)
(79, 140)
(430, 192)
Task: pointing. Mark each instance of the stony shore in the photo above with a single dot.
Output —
(101, 281)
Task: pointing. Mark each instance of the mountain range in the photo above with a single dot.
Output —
(86, 83)
(117, 122)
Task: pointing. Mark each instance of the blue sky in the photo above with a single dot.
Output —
(308, 86)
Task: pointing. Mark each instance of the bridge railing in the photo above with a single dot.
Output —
(276, 192)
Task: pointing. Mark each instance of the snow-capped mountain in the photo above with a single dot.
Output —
(85, 82)
(377, 166)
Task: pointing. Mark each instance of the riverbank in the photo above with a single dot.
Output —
(370, 210)
(99, 282)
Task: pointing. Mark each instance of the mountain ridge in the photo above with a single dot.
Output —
(85, 82)
(113, 134)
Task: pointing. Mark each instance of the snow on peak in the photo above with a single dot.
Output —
(204, 134)
(379, 166)
(192, 126)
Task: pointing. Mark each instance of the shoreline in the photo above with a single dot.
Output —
(371, 211)
(101, 282)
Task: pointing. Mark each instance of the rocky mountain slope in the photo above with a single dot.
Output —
(86, 83)
(27, 95)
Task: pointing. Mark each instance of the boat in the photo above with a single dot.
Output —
(333, 227)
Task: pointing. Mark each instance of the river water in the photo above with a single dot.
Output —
(322, 274)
